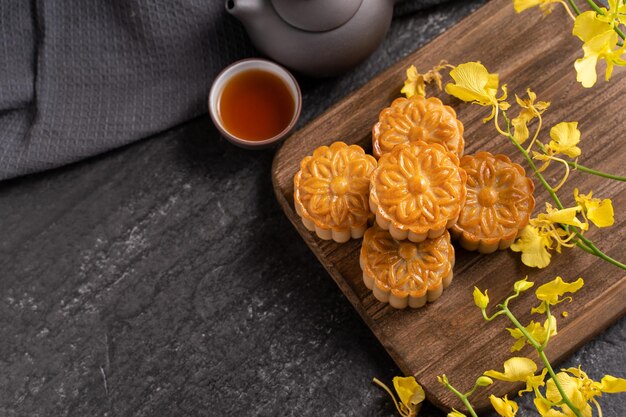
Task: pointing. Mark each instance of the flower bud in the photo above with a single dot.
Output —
(480, 299)
(523, 285)
(484, 381)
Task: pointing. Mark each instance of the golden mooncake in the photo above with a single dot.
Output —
(498, 205)
(406, 273)
(417, 118)
(417, 191)
(331, 191)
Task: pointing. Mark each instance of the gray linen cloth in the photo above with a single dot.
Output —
(80, 77)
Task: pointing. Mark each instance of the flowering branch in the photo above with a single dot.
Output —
(559, 226)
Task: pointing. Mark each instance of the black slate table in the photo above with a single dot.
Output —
(162, 279)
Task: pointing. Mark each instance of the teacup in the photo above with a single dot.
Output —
(255, 103)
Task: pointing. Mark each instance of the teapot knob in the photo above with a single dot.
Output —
(316, 15)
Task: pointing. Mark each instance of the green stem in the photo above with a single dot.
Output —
(487, 318)
(595, 7)
(537, 173)
(582, 168)
(597, 252)
(584, 247)
(463, 399)
(521, 328)
(544, 359)
(574, 6)
(594, 250)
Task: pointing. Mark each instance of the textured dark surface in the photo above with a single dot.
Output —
(162, 279)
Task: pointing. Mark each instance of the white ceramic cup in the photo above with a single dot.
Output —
(245, 65)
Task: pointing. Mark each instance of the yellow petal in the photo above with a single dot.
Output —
(554, 289)
(515, 369)
(534, 381)
(601, 214)
(565, 136)
(409, 391)
(587, 26)
(455, 413)
(611, 384)
(521, 5)
(545, 410)
(481, 300)
(586, 70)
(564, 216)
(414, 83)
(549, 330)
(503, 406)
(473, 84)
(540, 309)
(520, 129)
(533, 246)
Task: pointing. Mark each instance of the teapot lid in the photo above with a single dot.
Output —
(316, 15)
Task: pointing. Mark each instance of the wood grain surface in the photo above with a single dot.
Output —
(450, 336)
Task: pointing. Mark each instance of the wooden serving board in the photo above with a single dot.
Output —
(450, 336)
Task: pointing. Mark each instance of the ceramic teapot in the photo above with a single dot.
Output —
(315, 37)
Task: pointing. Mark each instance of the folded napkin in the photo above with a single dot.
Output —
(80, 77)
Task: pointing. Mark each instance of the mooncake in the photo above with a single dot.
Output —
(417, 118)
(498, 205)
(331, 191)
(406, 273)
(417, 191)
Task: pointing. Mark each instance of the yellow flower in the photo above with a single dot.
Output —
(455, 413)
(540, 233)
(537, 331)
(515, 370)
(600, 212)
(503, 406)
(566, 216)
(534, 247)
(415, 83)
(599, 38)
(549, 293)
(554, 289)
(534, 382)
(529, 111)
(572, 387)
(545, 5)
(565, 136)
(520, 370)
(411, 393)
(481, 300)
(523, 285)
(474, 84)
(580, 389)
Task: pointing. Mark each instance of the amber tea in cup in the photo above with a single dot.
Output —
(255, 103)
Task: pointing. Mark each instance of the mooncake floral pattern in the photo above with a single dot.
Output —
(406, 268)
(417, 118)
(418, 187)
(499, 198)
(332, 186)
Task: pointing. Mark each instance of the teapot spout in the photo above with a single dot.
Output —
(244, 9)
